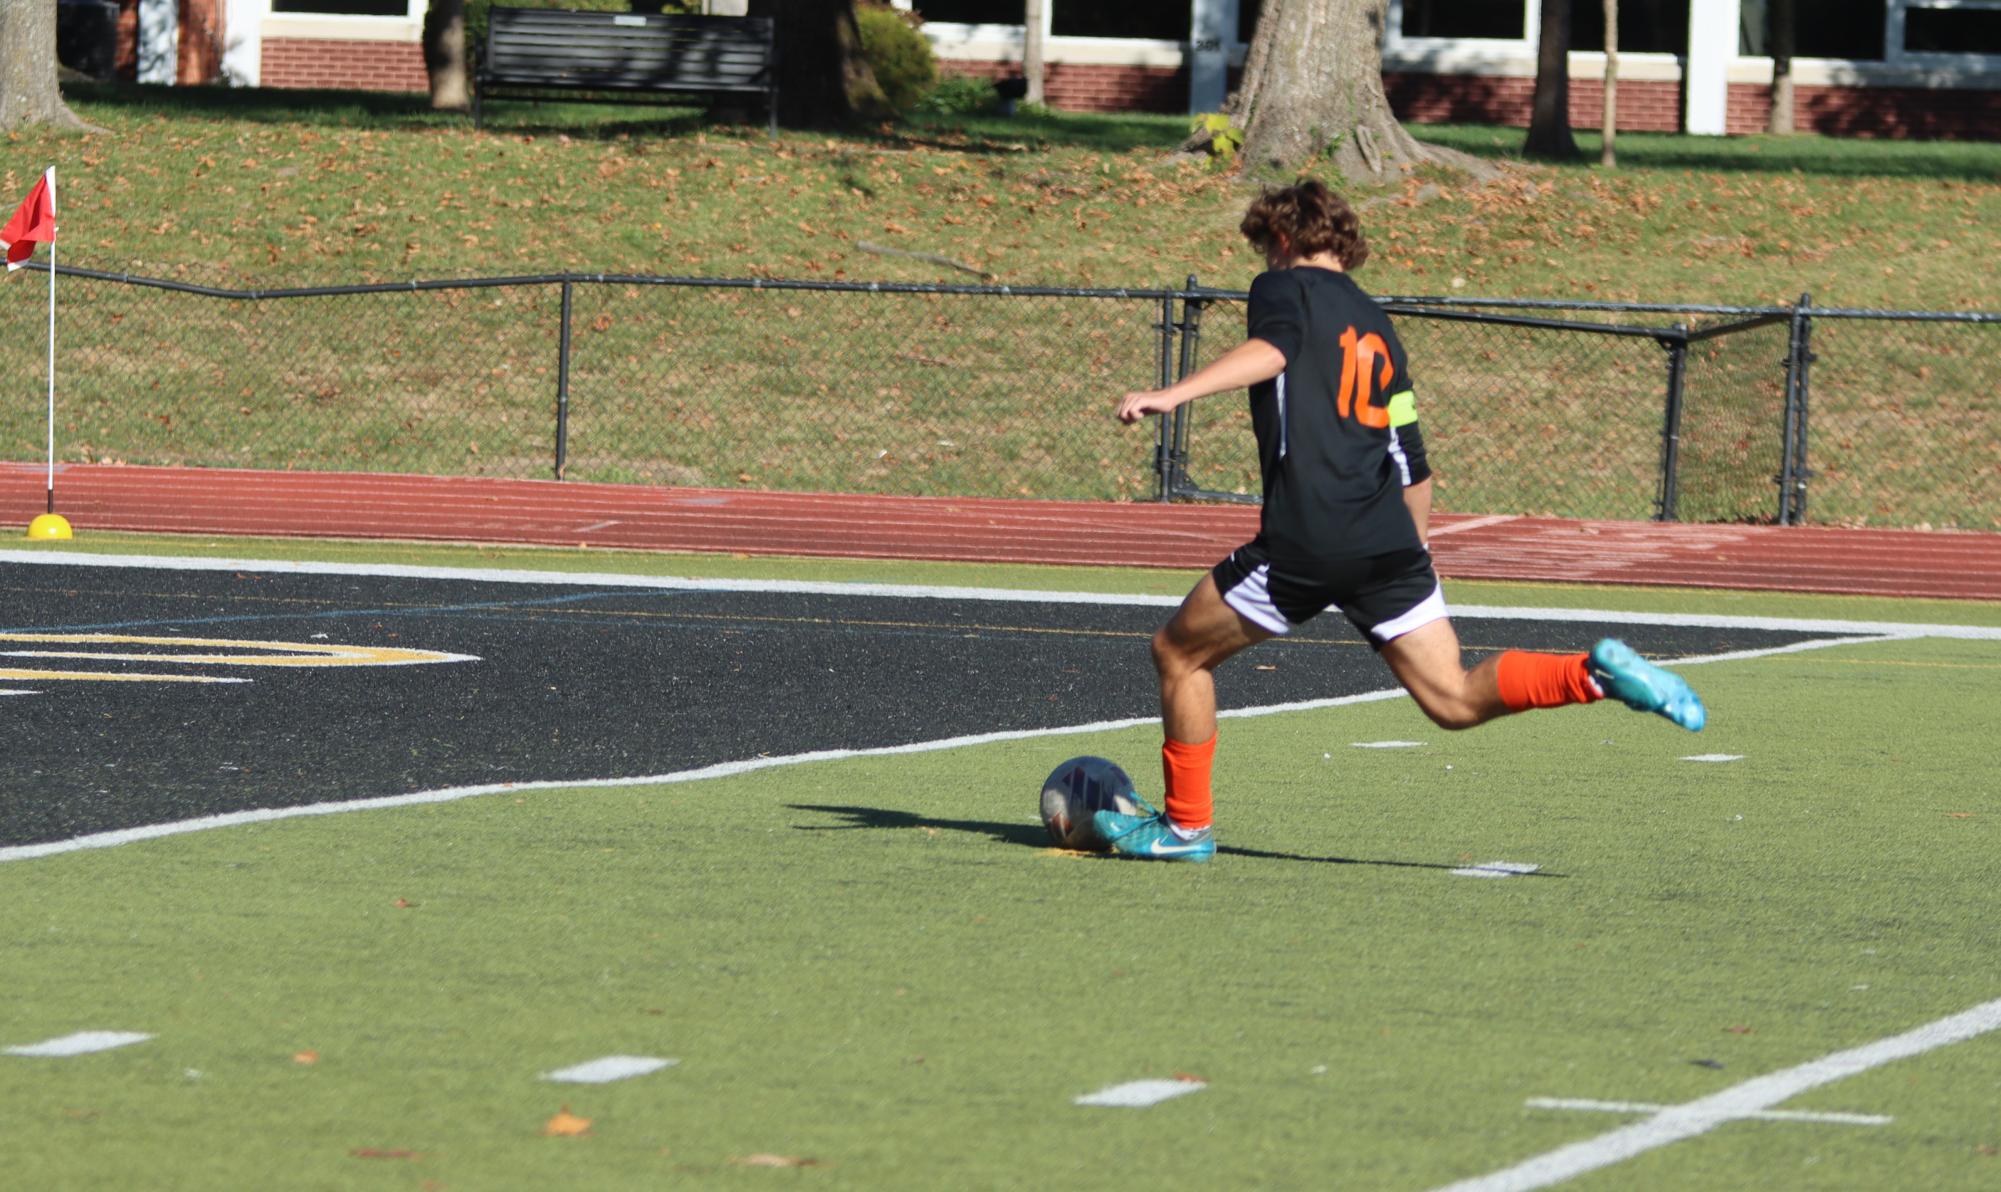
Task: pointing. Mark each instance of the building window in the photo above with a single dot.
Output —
(1247, 19)
(1118, 18)
(1505, 20)
(971, 12)
(1961, 29)
(1645, 26)
(344, 8)
(1852, 30)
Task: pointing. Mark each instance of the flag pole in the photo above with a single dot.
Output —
(52, 355)
(33, 223)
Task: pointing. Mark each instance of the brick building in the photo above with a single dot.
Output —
(1862, 67)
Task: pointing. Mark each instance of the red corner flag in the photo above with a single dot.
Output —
(33, 222)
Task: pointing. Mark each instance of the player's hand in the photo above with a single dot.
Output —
(1135, 406)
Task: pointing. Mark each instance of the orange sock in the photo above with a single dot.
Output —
(1186, 770)
(1544, 680)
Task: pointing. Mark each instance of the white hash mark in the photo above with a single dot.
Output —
(1496, 869)
(608, 1068)
(1138, 1094)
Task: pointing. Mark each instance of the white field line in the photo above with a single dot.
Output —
(262, 815)
(80, 1043)
(728, 769)
(1769, 1115)
(937, 592)
(1753, 1097)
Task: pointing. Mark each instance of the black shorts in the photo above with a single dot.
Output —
(1384, 596)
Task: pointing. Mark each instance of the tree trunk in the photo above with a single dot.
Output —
(1313, 86)
(823, 77)
(28, 91)
(445, 55)
(1031, 50)
(1549, 120)
(1783, 29)
(1610, 130)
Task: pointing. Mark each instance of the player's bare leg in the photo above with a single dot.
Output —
(1427, 662)
(1202, 634)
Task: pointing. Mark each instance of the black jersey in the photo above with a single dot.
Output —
(1328, 427)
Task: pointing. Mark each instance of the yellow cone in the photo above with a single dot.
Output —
(50, 525)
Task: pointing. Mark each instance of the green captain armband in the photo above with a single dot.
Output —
(1403, 408)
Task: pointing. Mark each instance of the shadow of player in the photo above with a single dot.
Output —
(1033, 836)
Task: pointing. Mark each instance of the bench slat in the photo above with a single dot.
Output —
(558, 49)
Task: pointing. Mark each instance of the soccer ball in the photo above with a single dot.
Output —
(1079, 787)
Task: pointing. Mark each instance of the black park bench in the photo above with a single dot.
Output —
(637, 54)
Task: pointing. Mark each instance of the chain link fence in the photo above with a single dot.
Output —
(1560, 409)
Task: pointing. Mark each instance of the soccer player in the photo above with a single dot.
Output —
(1347, 495)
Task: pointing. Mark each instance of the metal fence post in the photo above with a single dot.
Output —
(1163, 465)
(563, 385)
(1794, 473)
(1191, 338)
(1677, 347)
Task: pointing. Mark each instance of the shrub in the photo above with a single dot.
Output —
(960, 95)
(898, 54)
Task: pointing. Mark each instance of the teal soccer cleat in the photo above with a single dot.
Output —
(1149, 837)
(1644, 687)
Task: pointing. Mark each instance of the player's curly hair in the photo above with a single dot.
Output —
(1311, 219)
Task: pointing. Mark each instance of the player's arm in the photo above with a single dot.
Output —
(1245, 365)
(1413, 467)
(1417, 499)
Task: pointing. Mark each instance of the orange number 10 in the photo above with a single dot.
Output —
(1359, 356)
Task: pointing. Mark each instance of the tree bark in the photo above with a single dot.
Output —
(1549, 120)
(1610, 129)
(28, 90)
(445, 55)
(1313, 88)
(1784, 28)
(823, 77)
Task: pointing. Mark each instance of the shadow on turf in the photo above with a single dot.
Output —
(1033, 836)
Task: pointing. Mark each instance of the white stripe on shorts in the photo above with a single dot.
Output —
(1424, 612)
(1252, 598)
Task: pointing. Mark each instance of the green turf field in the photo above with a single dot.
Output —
(873, 969)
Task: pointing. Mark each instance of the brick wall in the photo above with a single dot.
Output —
(358, 65)
(1895, 112)
(1644, 106)
(1083, 88)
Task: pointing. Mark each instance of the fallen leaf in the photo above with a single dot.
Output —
(403, 904)
(566, 1125)
(369, 1152)
(1189, 1078)
(305, 1057)
(775, 1161)
(1738, 1030)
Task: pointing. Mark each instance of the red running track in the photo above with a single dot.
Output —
(547, 512)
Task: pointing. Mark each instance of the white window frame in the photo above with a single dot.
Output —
(1394, 39)
(336, 26)
(1894, 53)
